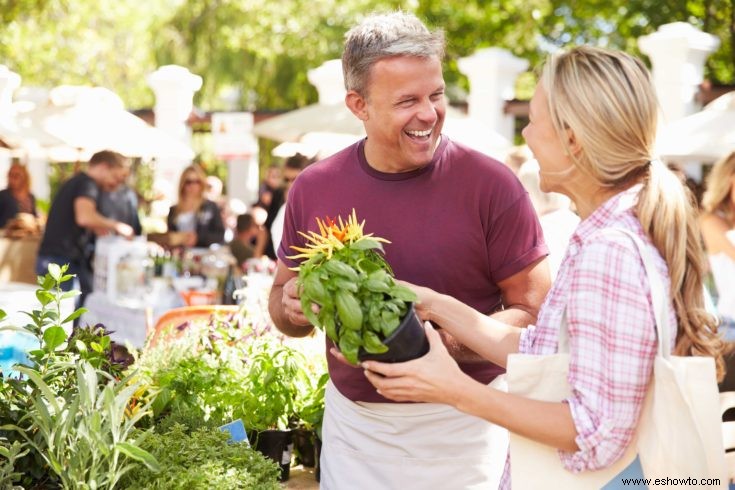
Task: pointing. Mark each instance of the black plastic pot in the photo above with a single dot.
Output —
(318, 447)
(407, 342)
(276, 445)
(303, 447)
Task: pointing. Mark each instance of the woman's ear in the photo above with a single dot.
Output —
(357, 104)
(572, 143)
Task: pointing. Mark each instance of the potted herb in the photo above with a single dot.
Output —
(360, 306)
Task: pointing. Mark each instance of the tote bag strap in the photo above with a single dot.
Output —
(658, 293)
(658, 296)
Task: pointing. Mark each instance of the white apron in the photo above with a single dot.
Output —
(408, 446)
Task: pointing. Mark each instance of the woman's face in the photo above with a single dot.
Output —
(543, 140)
(16, 179)
(193, 185)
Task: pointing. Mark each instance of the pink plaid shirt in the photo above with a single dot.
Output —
(604, 289)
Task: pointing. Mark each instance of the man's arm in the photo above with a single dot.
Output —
(87, 216)
(284, 305)
(522, 294)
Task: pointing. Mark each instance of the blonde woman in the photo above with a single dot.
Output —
(194, 221)
(592, 128)
(17, 197)
(718, 230)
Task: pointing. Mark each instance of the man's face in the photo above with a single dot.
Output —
(403, 112)
(113, 177)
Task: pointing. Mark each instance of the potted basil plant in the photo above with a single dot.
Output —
(361, 307)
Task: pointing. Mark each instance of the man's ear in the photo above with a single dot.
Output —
(356, 104)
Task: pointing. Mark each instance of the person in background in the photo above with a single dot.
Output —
(592, 129)
(557, 219)
(291, 169)
(194, 221)
(271, 183)
(718, 230)
(121, 205)
(250, 239)
(74, 218)
(457, 220)
(17, 197)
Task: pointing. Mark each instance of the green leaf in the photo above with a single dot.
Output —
(53, 337)
(45, 297)
(2, 314)
(326, 319)
(367, 244)
(76, 314)
(55, 271)
(349, 349)
(308, 312)
(403, 293)
(70, 294)
(372, 343)
(81, 347)
(315, 290)
(336, 266)
(139, 454)
(348, 310)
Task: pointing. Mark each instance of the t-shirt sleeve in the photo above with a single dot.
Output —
(291, 227)
(87, 188)
(516, 239)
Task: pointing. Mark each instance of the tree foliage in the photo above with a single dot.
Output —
(257, 54)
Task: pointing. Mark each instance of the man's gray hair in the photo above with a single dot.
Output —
(381, 36)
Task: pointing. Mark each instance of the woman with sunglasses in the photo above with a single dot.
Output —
(194, 221)
(17, 197)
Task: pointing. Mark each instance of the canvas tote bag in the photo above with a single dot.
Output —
(679, 437)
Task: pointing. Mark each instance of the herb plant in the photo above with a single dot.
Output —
(346, 276)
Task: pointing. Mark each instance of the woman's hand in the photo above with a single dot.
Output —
(425, 302)
(434, 378)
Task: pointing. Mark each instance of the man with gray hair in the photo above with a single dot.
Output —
(459, 222)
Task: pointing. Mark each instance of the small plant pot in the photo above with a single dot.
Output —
(276, 445)
(303, 447)
(406, 343)
(318, 468)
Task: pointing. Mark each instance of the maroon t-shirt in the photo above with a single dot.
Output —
(459, 225)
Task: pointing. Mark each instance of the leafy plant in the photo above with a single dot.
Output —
(202, 459)
(346, 275)
(275, 382)
(10, 453)
(85, 433)
(47, 412)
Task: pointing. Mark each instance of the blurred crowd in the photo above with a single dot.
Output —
(99, 201)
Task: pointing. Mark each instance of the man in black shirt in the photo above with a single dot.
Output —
(74, 218)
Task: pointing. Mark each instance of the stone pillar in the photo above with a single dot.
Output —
(174, 87)
(492, 73)
(678, 52)
(329, 82)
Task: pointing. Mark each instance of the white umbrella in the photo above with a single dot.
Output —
(322, 128)
(704, 136)
(93, 119)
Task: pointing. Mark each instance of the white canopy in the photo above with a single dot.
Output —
(704, 136)
(88, 119)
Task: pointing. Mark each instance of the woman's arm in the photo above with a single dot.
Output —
(489, 338)
(714, 229)
(436, 378)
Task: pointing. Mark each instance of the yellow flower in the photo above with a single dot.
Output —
(333, 235)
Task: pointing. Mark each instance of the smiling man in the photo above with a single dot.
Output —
(458, 221)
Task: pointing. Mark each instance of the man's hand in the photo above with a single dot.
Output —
(284, 304)
(292, 304)
(123, 229)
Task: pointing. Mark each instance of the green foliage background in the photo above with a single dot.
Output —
(262, 50)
